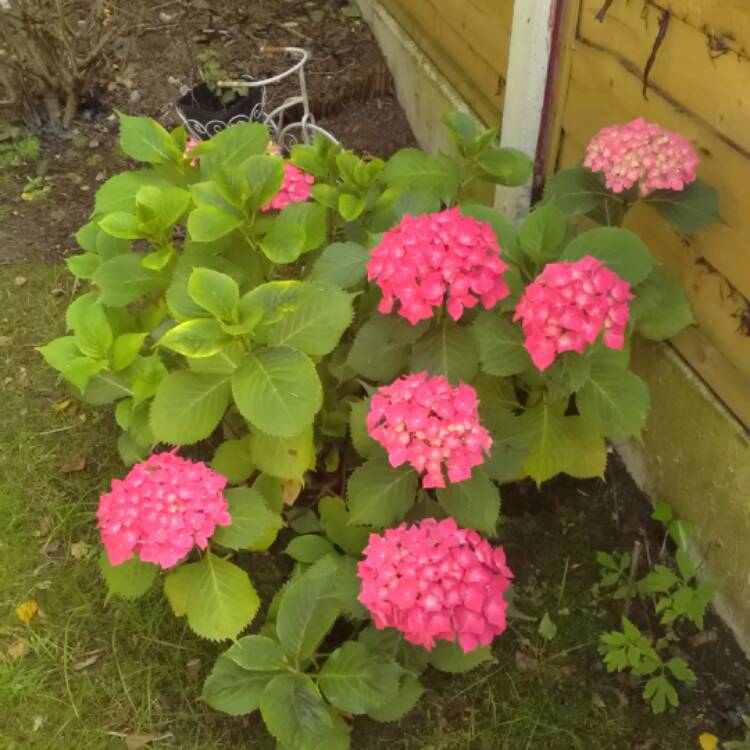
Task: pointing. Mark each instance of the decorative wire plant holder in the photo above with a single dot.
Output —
(283, 132)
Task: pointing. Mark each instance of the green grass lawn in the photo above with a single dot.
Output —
(97, 671)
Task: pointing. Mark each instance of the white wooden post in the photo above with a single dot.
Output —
(526, 83)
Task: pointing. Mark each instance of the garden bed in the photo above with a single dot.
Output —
(129, 674)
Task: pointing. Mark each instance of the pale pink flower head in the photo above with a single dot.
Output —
(295, 188)
(435, 582)
(568, 305)
(644, 153)
(430, 424)
(162, 508)
(438, 258)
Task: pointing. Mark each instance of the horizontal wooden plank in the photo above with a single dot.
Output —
(468, 41)
(728, 21)
(717, 308)
(629, 30)
(601, 92)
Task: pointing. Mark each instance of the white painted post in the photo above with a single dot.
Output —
(526, 82)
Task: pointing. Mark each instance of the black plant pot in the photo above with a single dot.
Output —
(204, 114)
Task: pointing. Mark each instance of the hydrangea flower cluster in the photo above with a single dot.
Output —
(428, 259)
(435, 581)
(428, 423)
(296, 187)
(644, 153)
(163, 507)
(567, 306)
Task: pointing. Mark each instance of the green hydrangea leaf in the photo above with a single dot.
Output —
(379, 495)
(254, 525)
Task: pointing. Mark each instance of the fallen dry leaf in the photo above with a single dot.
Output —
(19, 280)
(708, 741)
(18, 650)
(139, 741)
(26, 610)
(92, 659)
(290, 490)
(78, 464)
(61, 405)
(79, 550)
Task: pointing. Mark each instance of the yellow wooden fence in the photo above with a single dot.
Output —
(699, 85)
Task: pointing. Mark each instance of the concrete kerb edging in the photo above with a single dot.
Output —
(694, 454)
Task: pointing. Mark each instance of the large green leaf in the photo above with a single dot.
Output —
(118, 192)
(342, 264)
(232, 459)
(216, 292)
(378, 494)
(614, 399)
(122, 279)
(283, 457)
(500, 344)
(414, 169)
(542, 232)
(661, 308)
(474, 503)
(232, 146)
(210, 223)
(278, 390)
(233, 689)
(577, 191)
(265, 175)
(335, 520)
(313, 322)
(505, 166)
(409, 693)
(93, 334)
(590, 459)
(311, 218)
(309, 548)
(690, 210)
(294, 712)
(355, 680)
(361, 440)
(448, 656)
(216, 596)
(309, 607)
(199, 338)
(122, 225)
(446, 349)
(254, 525)
(257, 653)
(284, 242)
(553, 445)
(144, 139)
(188, 406)
(380, 348)
(620, 249)
(130, 579)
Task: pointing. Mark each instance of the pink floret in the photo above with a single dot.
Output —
(644, 153)
(162, 508)
(295, 188)
(568, 305)
(435, 582)
(430, 425)
(433, 259)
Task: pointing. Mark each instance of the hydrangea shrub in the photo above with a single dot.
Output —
(347, 342)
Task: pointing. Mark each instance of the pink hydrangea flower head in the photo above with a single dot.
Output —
(438, 258)
(435, 582)
(430, 424)
(163, 507)
(567, 306)
(296, 187)
(644, 153)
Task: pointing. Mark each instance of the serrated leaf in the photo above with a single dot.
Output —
(254, 525)
(542, 232)
(284, 242)
(661, 308)
(380, 348)
(500, 344)
(129, 579)
(278, 390)
(308, 609)
(690, 210)
(448, 656)
(309, 548)
(620, 250)
(122, 279)
(93, 334)
(232, 459)
(233, 689)
(334, 518)
(216, 596)
(210, 223)
(283, 457)
(342, 264)
(505, 166)
(615, 400)
(576, 191)
(84, 265)
(199, 338)
(125, 349)
(315, 321)
(360, 437)
(144, 139)
(474, 503)
(379, 495)
(446, 349)
(294, 712)
(215, 292)
(118, 193)
(188, 406)
(356, 681)
(257, 653)
(414, 169)
(350, 206)
(409, 693)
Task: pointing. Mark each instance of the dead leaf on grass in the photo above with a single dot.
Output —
(139, 741)
(290, 490)
(20, 280)
(78, 464)
(26, 611)
(80, 550)
(87, 662)
(61, 405)
(18, 650)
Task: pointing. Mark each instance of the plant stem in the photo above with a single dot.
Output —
(634, 561)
